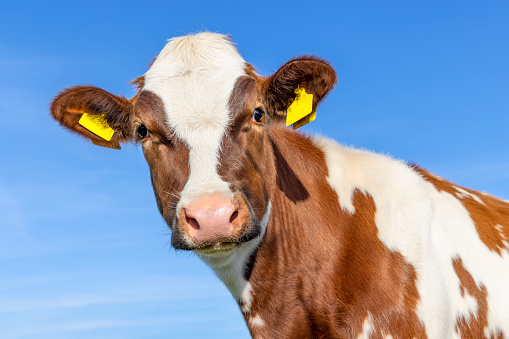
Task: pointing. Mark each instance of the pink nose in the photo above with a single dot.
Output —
(212, 218)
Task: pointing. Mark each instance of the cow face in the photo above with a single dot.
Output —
(204, 120)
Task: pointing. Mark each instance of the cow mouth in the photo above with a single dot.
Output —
(217, 248)
(181, 241)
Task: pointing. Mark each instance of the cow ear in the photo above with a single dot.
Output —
(101, 108)
(313, 74)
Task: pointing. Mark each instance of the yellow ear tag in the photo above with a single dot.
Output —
(300, 111)
(97, 124)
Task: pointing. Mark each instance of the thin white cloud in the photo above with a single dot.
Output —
(149, 289)
(199, 320)
(154, 301)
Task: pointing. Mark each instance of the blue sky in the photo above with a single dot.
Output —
(83, 250)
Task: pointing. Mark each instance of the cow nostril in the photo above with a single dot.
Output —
(193, 223)
(234, 216)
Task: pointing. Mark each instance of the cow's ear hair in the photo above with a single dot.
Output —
(312, 73)
(70, 105)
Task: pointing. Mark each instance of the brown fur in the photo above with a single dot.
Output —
(138, 83)
(166, 155)
(473, 327)
(491, 218)
(344, 272)
(250, 70)
(245, 162)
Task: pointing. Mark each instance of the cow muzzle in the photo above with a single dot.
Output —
(214, 223)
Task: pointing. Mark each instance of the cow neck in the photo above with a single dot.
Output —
(311, 267)
(298, 239)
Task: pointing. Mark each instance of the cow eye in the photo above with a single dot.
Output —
(142, 131)
(258, 115)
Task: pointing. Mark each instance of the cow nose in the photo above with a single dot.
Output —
(212, 218)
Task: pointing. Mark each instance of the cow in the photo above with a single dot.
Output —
(312, 239)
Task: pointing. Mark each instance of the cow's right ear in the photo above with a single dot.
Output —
(72, 103)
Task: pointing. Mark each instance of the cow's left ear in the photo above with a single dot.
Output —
(315, 75)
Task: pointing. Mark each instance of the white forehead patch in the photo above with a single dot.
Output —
(194, 76)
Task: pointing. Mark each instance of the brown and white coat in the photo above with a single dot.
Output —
(313, 239)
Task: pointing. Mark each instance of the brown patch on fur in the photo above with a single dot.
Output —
(377, 280)
(242, 101)
(473, 327)
(166, 156)
(286, 179)
(138, 83)
(150, 112)
(314, 74)
(320, 271)
(245, 155)
(491, 218)
(169, 171)
(250, 70)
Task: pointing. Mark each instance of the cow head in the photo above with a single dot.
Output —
(204, 119)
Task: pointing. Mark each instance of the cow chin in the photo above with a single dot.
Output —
(180, 241)
(226, 246)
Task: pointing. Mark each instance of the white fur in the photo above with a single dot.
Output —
(367, 328)
(505, 241)
(430, 229)
(256, 321)
(230, 267)
(194, 76)
(462, 193)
